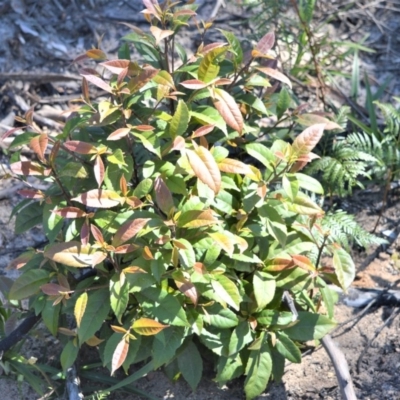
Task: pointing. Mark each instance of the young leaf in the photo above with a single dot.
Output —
(74, 254)
(39, 145)
(80, 307)
(77, 146)
(120, 354)
(308, 139)
(164, 197)
(99, 198)
(148, 327)
(128, 230)
(160, 34)
(228, 108)
(266, 43)
(273, 73)
(196, 219)
(205, 167)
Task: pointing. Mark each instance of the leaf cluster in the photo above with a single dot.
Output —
(171, 225)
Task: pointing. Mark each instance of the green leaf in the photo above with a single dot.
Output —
(345, 269)
(97, 309)
(163, 306)
(143, 188)
(229, 368)
(166, 344)
(283, 102)
(180, 120)
(261, 153)
(305, 206)
(187, 256)
(241, 336)
(221, 317)
(209, 66)
(28, 284)
(290, 185)
(309, 183)
(50, 315)
(264, 288)
(330, 297)
(28, 217)
(227, 291)
(258, 371)
(73, 170)
(68, 355)
(287, 348)
(310, 327)
(52, 223)
(234, 43)
(191, 365)
(119, 296)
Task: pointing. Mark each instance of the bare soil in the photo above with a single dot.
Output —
(40, 38)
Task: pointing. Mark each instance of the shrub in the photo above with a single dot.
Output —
(173, 224)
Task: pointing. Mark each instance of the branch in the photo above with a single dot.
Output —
(341, 368)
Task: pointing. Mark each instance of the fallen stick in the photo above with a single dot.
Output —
(38, 78)
(341, 368)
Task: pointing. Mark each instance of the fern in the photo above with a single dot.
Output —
(345, 230)
(344, 165)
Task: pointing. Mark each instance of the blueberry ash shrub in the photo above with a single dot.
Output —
(172, 225)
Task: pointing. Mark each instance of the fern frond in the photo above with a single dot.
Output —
(345, 230)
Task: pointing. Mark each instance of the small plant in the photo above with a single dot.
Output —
(171, 225)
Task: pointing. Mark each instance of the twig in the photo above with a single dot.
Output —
(18, 333)
(37, 77)
(341, 368)
(218, 5)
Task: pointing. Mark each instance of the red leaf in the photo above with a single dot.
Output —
(229, 110)
(146, 75)
(209, 47)
(205, 168)
(128, 230)
(133, 201)
(126, 248)
(194, 84)
(178, 144)
(144, 128)
(307, 140)
(273, 73)
(31, 194)
(80, 147)
(99, 198)
(266, 43)
(98, 82)
(96, 232)
(119, 134)
(188, 289)
(39, 145)
(204, 130)
(52, 289)
(116, 66)
(70, 212)
(99, 170)
(164, 198)
(29, 168)
(85, 233)
(160, 34)
(120, 354)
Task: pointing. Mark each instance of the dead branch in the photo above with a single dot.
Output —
(341, 368)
